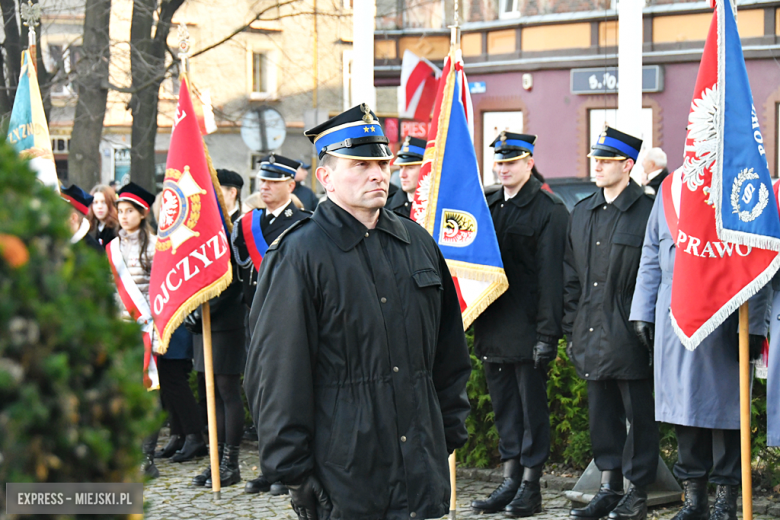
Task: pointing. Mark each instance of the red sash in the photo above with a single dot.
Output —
(138, 308)
(669, 211)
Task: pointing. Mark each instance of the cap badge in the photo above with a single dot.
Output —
(503, 136)
(366, 113)
(272, 159)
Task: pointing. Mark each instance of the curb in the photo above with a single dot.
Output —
(497, 476)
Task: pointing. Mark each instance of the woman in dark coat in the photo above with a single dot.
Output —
(103, 220)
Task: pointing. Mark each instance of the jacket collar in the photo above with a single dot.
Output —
(398, 199)
(346, 231)
(523, 197)
(624, 201)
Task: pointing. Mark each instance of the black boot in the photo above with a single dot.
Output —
(200, 479)
(528, 499)
(148, 467)
(250, 434)
(277, 488)
(608, 496)
(194, 446)
(500, 498)
(258, 485)
(175, 443)
(229, 472)
(725, 507)
(696, 506)
(633, 505)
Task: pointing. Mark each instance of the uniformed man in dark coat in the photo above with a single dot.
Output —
(275, 183)
(410, 159)
(303, 192)
(516, 337)
(358, 363)
(603, 250)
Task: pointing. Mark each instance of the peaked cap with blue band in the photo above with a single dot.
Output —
(277, 168)
(354, 134)
(614, 145)
(78, 198)
(509, 146)
(411, 152)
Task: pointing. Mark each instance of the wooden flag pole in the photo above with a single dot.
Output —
(453, 493)
(744, 412)
(211, 406)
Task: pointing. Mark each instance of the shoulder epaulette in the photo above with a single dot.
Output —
(275, 244)
(552, 196)
(583, 199)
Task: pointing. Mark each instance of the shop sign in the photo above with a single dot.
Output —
(605, 80)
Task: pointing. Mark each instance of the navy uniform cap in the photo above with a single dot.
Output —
(354, 134)
(509, 146)
(78, 198)
(132, 192)
(412, 152)
(230, 179)
(614, 145)
(277, 168)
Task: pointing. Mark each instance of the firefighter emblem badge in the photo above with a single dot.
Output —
(458, 228)
(180, 209)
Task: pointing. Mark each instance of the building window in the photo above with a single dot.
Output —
(259, 72)
(509, 9)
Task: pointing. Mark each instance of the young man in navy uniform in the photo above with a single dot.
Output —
(517, 336)
(410, 159)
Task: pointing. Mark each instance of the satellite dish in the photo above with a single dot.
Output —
(263, 129)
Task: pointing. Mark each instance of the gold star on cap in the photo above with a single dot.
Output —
(366, 113)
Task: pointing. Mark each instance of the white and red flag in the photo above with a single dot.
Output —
(192, 258)
(417, 93)
(728, 228)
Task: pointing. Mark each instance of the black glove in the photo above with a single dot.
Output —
(544, 353)
(646, 333)
(755, 346)
(309, 500)
(194, 322)
(569, 350)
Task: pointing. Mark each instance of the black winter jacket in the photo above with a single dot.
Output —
(596, 313)
(358, 364)
(531, 231)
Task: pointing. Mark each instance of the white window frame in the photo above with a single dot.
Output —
(272, 60)
(513, 12)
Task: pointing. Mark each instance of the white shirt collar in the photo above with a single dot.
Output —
(410, 196)
(653, 175)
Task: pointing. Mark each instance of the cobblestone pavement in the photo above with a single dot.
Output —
(173, 497)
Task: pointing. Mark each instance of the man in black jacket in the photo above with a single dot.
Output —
(358, 364)
(517, 336)
(410, 159)
(603, 250)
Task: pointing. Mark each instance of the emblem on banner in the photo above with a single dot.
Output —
(180, 209)
(458, 228)
(747, 196)
(702, 152)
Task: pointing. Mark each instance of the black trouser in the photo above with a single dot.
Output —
(176, 396)
(610, 403)
(706, 453)
(230, 407)
(519, 395)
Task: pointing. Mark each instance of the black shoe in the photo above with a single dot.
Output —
(528, 499)
(608, 496)
(696, 506)
(258, 485)
(175, 443)
(200, 479)
(277, 488)
(149, 469)
(503, 494)
(194, 446)
(725, 507)
(633, 505)
(250, 433)
(229, 472)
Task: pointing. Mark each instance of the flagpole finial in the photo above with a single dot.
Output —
(184, 46)
(31, 16)
(455, 27)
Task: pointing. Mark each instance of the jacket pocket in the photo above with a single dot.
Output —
(628, 239)
(427, 278)
(343, 433)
